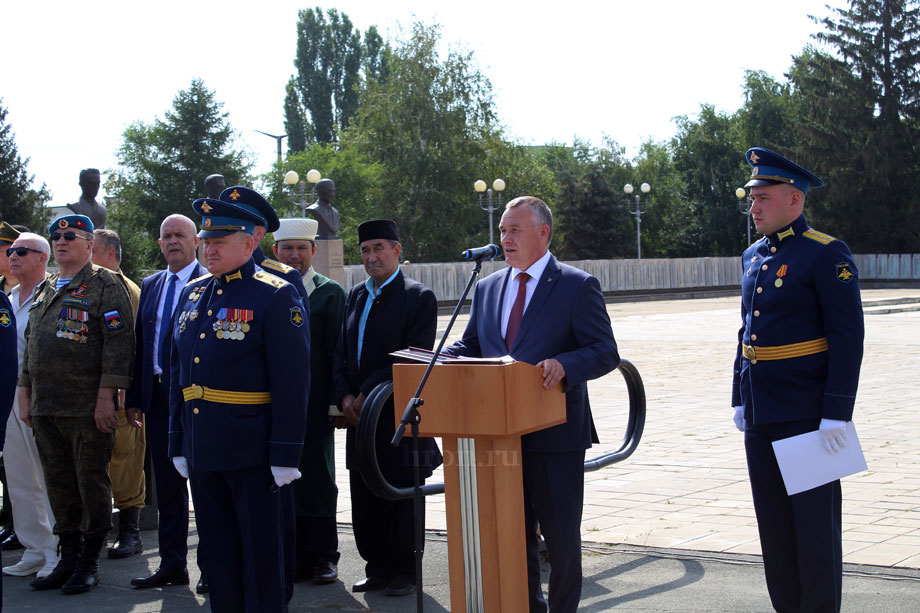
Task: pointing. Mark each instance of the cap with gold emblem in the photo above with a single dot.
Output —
(252, 201)
(219, 218)
(8, 234)
(771, 168)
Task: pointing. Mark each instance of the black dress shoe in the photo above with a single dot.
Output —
(325, 571)
(161, 577)
(202, 587)
(371, 583)
(11, 543)
(399, 588)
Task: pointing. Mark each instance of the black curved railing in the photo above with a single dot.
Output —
(366, 444)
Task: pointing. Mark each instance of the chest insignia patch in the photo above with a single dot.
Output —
(844, 274)
(296, 317)
(113, 320)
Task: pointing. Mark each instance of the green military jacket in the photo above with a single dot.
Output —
(79, 339)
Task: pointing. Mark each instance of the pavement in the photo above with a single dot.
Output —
(672, 528)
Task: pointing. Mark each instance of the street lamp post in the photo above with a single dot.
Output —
(292, 179)
(278, 138)
(480, 186)
(744, 208)
(628, 190)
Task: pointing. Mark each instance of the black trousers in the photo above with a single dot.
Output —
(554, 493)
(384, 532)
(800, 535)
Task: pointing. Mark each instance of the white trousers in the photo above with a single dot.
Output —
(32, 516)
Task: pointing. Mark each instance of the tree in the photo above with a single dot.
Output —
(163, 167)
(323, 97)
(20, 203)
(429, 125)
(859, 123)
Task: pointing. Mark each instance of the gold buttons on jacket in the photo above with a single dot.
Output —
(219, 292)
(201, 335)
(753, 338)
(756, 313)
(772, 249)
(752, 362)
(210, 312)
(197, 359)
(195, 410)
(759, 290)
(764, 267)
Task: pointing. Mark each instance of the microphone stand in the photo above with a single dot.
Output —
(412, 417)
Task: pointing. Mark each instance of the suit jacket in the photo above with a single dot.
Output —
(404, 315)
(566, 319)
(141, 393)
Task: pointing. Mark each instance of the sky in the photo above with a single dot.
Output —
(76, 74)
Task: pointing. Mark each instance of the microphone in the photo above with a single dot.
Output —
(489, 251)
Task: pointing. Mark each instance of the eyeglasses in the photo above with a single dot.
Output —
(20, 251)
(68, 236)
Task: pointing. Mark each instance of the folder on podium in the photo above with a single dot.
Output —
(481, 410)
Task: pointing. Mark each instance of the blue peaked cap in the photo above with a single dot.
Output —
(250, 200)
(219, 218)
(771, 168)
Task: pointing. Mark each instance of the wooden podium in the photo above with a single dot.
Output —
(481, 411)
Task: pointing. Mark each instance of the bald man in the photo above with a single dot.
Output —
(150, 395)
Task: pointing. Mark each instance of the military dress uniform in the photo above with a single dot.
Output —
(238, 392)
(797, 361)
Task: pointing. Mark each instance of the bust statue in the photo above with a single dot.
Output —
(214, 185)
(87, 205)
(323, 211)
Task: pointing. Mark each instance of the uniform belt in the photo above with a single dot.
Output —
(782, 352)
(195, 392)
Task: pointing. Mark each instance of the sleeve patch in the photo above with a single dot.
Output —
(113, 320)
(296, 317)
(5, 318)
(844, 274)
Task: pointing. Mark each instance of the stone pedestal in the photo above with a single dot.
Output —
(329, 259)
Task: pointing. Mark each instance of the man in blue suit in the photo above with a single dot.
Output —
(150, 395)
(553, 316)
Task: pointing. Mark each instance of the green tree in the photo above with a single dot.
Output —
(709, 156)
(328, 63)
(20, 203)
(429, 125)
(163, 166)
(859, 109)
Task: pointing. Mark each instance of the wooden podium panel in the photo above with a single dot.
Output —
(479, 400)
(494, 405)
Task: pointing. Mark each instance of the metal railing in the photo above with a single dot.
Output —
(366, 449)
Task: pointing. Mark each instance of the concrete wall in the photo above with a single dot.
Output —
(448, 279)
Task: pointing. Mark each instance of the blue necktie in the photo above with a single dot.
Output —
(166, 318)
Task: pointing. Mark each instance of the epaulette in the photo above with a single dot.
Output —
(198, 279)
(820, 237)
(272, 280)
(275, 265)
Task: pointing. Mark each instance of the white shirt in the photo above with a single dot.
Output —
(185, 276)
(22, 319)
(536, 272)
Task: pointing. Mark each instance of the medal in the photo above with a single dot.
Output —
(220, 334)
(780, 274)
(778, 283)
(193, 315)
(244, 327)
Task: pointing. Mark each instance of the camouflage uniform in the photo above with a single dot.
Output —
(78, 340)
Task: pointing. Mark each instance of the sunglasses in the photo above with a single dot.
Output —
(20, 251)
(68, 236)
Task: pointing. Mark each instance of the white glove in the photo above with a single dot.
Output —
(284, 475)
(739, 418)
(833, 434)
(181, 465)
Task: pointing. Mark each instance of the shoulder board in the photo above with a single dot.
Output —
(201, 278)
(820, 237)
(272, 280)
(275, 265)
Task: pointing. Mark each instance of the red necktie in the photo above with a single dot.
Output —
(517, 309)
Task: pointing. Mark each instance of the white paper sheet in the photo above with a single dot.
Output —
(806, 464)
